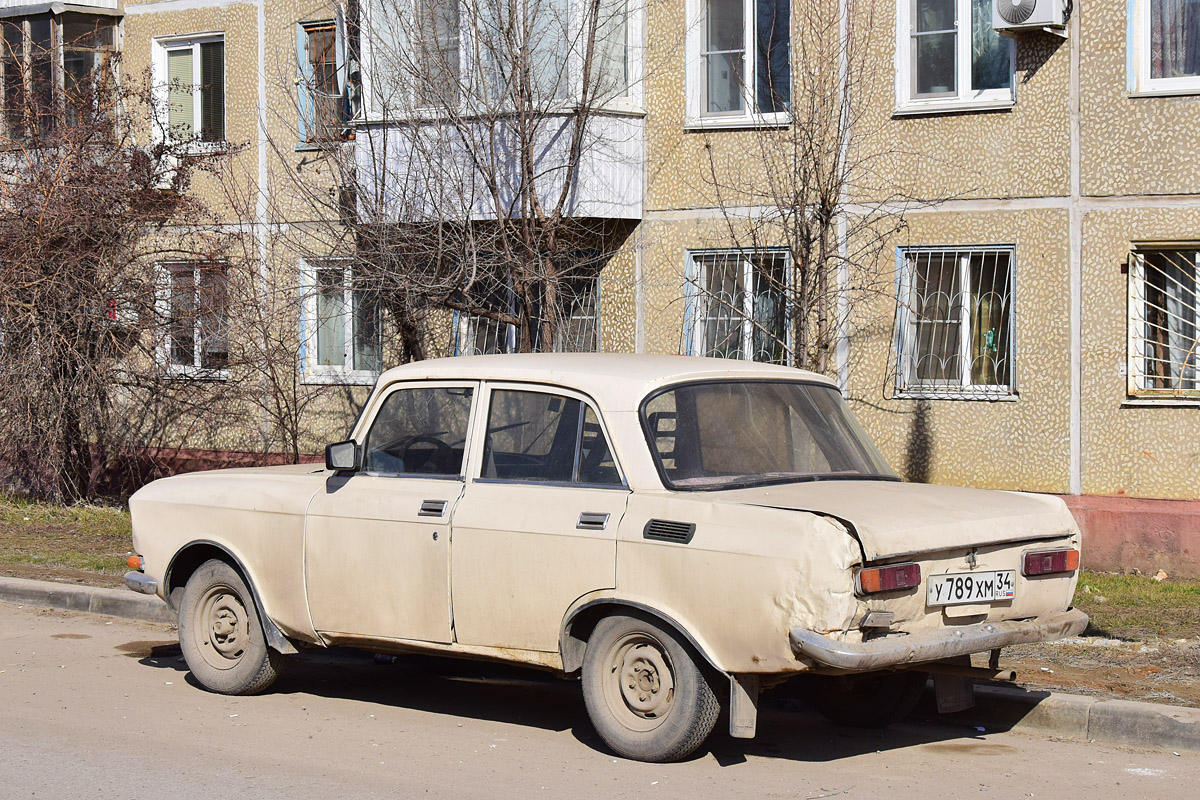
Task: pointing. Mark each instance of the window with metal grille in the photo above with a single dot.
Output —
(1164, 323)
(739, 306)
(955, 333)
(577, 324)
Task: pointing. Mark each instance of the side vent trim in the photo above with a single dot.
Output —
(665, 530)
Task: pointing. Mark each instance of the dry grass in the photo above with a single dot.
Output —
(1139, 607)
(92, 538)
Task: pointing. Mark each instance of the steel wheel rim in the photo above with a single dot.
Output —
(222, 627)
(639, 687)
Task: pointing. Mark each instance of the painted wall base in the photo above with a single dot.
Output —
(1123, 534)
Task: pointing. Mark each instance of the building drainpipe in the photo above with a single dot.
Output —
(261, 208)
(842, 346)
(1075, 267)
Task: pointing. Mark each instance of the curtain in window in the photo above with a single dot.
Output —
(724, 302)
(11, 59)
(990, 64)
(331, 318)
(937, 318)
(182, 327)
(212, 302)
(773, 91)
(1174, 38)
(212, 91)
(549, 36)
(1172, 360)
(180, 105)
(438, 34)
(612, 50)
(990, 293)
(724, 56)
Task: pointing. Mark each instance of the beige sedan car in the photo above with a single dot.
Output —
(678, 533)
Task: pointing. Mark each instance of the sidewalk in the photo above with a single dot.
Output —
(1149, 725)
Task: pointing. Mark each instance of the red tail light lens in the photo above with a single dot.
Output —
(887, 579)
(1049, 562)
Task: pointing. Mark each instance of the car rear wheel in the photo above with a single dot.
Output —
(645, 694)
(868, 701)
(220, 633)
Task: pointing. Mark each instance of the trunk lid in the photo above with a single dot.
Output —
(894, 519)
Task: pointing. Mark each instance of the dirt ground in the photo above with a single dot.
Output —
(1143, 644)
(1157, 670)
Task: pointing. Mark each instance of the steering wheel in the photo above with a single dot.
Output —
(440, 457)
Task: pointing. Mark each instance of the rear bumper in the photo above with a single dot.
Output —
(139, 582)
(917, 648)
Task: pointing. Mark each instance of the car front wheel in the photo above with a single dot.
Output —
(220, 633)
(645, 694)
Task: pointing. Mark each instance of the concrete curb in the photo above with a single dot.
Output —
(93, 599)
(1068, 716)
(997, 708)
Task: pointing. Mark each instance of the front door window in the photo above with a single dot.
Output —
(420, 432)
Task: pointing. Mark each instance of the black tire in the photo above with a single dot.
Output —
(874, 700)
(220, 633)
(645, 694)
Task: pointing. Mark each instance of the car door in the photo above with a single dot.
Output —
(536, 528)
(377, 541)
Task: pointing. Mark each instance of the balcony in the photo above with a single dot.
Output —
(469, 116)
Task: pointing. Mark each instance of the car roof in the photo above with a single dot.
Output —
(617, 381)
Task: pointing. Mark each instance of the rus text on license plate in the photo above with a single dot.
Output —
(974, 587)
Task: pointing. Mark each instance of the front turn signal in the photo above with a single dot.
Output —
(136, 562)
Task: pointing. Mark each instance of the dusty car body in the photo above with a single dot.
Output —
(679, 532)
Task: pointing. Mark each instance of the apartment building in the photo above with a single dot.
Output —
(1036, 325)
(1030, 324)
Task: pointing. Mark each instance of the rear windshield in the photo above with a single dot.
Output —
(731, 434)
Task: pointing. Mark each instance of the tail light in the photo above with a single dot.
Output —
(887, 579)
(1049, 562)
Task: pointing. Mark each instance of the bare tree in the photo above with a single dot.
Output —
(815, 216)
(470, 182)
(85, 194)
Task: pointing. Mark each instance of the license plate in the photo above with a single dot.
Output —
(972, 587)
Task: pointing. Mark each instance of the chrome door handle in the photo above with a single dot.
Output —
(432, 508)
(589, 521)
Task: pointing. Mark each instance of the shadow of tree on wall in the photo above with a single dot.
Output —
(918, 452)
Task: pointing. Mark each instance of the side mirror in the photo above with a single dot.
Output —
(343, 456)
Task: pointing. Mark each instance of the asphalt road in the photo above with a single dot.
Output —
(93, 707)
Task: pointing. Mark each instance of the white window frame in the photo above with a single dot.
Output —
(695, 117)
(964, 99)
(1136, 345)
(162, 83)
(907, 338)
(1138, 62)
(312, 370)
(194, 370)
(633, 102)
(698, 300)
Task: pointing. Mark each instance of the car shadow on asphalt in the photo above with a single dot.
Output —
(790, 729)
(787, 727)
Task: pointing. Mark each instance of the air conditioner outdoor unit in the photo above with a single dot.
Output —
(1014, 16)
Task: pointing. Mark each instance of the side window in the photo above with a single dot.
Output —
(596, 463)
(420, 431)
(532, 436)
